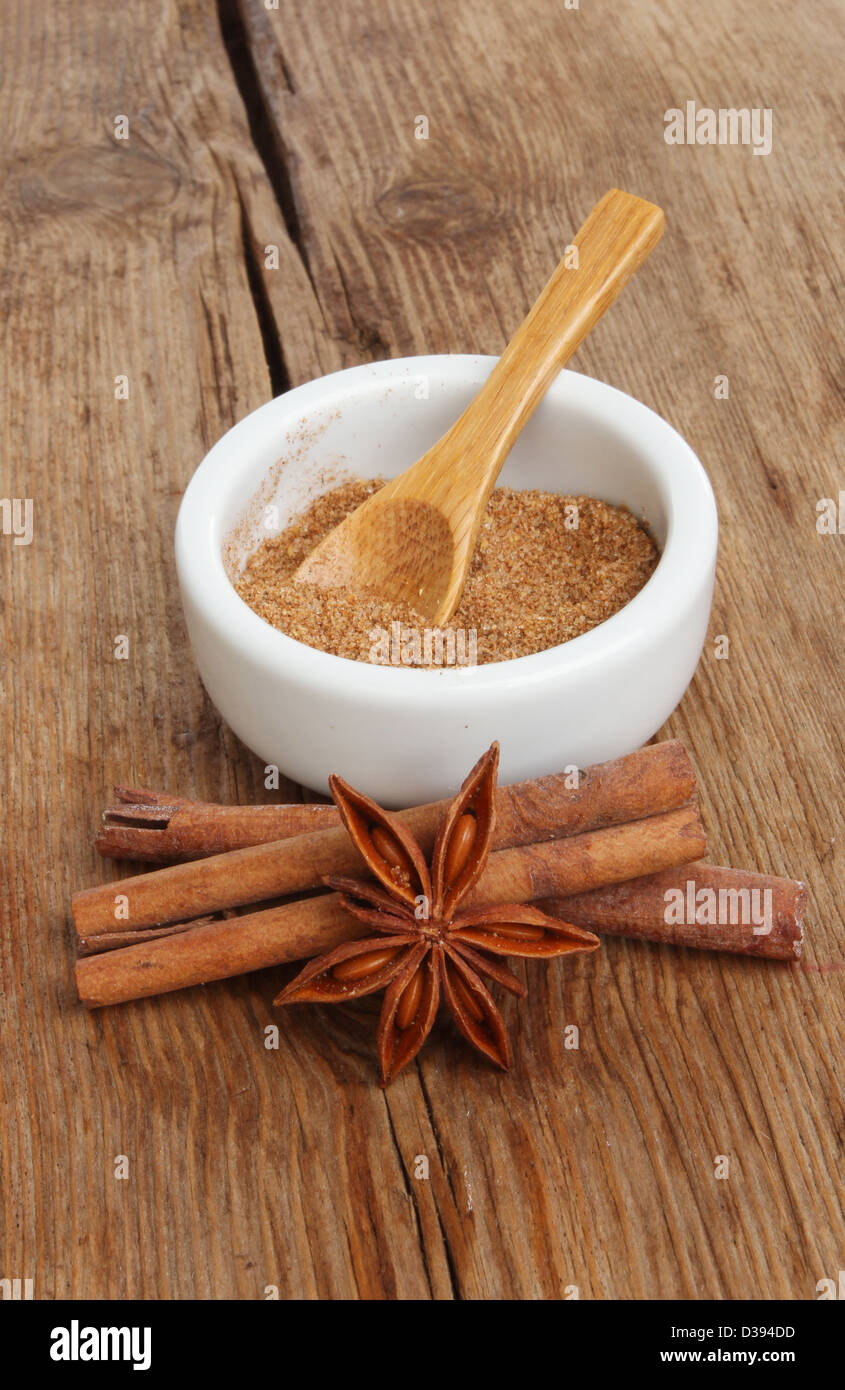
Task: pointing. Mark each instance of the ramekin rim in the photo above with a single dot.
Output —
(687, 554)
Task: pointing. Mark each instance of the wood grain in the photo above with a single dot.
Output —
(252, 1167)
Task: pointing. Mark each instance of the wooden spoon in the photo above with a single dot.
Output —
(412, 542)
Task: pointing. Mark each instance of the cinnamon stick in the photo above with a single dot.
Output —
(651, 781)
(217, 950)
(160, 828)
(700, 905)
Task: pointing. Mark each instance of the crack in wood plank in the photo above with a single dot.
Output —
(273, 349)
(267, 135)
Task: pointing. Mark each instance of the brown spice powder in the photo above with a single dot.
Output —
(546, 568)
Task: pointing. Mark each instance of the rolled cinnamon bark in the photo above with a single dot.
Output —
(653, 780)
(700, 905)
(162, 829)
(217, 950)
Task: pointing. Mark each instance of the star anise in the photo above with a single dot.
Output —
(425, 946)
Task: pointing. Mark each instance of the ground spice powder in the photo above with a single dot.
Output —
(546, 568)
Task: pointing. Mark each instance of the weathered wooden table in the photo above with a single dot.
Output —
(203, 206)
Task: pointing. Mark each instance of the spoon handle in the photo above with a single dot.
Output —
(413, 541)
(613, 242)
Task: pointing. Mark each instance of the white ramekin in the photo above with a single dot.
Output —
(408, 736)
